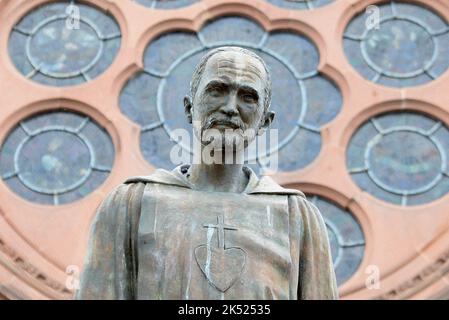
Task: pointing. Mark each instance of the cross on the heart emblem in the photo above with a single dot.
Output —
(222, 266)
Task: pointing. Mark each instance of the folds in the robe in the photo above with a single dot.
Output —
(110, 269)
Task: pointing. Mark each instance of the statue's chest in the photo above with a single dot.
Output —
(171, 212)
(221, 237)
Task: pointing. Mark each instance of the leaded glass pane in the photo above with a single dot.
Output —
(345, 236)
(231, 30)
(156, 147)
(407, 48)
(434, 193)
(95, 180)
(64, 43)
(157, 59)
(321, 110)
(166, 4)
(396, 162)
(301, 150)
(304, 57)
(63, 157)
(56, 157)
(401, 158)
(154, 97)
(138, 100)
(300, 4)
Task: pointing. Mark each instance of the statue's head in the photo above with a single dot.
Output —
(230, 91)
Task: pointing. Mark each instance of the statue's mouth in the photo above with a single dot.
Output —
(222, 124)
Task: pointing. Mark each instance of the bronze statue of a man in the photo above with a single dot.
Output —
(211, 230)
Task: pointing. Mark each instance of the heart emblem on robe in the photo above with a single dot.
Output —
(222, 267)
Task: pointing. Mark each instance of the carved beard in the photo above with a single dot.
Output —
(230, 139)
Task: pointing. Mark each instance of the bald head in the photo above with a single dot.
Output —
(235, 61)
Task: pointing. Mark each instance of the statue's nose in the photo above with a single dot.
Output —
(230, 108)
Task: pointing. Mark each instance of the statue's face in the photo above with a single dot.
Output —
(230, 96)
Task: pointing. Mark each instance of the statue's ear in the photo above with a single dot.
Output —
(266, 121)
(188, 108)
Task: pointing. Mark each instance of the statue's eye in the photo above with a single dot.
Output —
(249, 97)
(216, 91)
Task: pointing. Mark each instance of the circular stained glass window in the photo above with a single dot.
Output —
(300, 4)
(345, 236)
(56, 157)
(401, 158)
(408, 46)
(64, 43)
(166, 4)
(303, 99)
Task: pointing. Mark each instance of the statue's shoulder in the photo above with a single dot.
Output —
(176, 177)
(161, 176)
(266, 185)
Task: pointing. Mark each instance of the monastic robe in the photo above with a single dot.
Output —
(155, 237)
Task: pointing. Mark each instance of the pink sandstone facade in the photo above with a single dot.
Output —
(41, 245)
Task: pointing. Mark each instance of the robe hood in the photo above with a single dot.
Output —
(177, 177)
